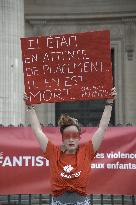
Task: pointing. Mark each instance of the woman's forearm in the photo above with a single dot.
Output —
(99, 134)
(105, 117)
(36, 127)
(33, 119)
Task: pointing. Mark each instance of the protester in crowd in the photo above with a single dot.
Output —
(70, 162)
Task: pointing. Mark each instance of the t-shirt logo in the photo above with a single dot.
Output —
(67, 172)
(68, 168)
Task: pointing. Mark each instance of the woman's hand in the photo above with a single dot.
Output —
(29, 106)
(25, 98)
(113, 94)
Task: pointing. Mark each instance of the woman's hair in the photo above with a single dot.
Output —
(65, 121)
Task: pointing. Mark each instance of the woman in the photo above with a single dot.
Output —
(70, 162)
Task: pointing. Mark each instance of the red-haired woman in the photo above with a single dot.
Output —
(70, 162)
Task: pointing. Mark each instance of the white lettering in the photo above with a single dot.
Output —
(49, 42)
(30, 43)
(19, 161)
(7, 162)
(34, 95)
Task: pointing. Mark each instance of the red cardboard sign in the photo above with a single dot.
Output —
(67, 67)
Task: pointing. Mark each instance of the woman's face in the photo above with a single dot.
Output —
(71, 138)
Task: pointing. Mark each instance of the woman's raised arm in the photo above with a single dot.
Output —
(99, 134)
(36, 127)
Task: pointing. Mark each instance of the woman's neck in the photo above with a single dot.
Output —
(71, 151)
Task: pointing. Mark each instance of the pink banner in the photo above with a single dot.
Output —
(24, 170)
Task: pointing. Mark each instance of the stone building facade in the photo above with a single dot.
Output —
(44, 17)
